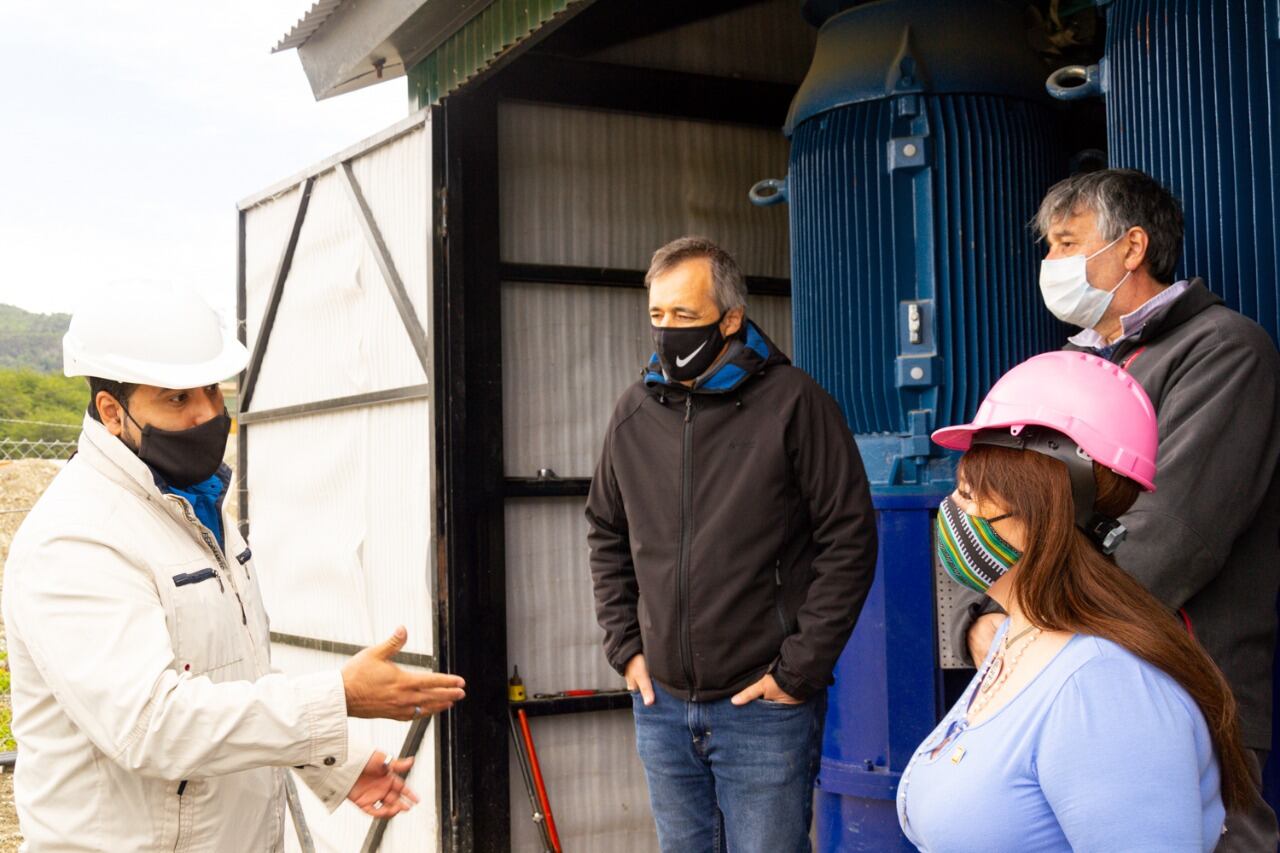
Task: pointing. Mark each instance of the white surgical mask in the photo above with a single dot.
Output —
(1064, 284)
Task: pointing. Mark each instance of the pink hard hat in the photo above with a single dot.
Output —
(1090, 400)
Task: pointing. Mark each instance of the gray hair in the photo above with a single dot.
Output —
(1120, 199)
(728, 288)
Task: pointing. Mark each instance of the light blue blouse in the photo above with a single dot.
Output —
(1100, 752)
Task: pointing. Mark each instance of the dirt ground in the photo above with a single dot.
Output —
(21, 483)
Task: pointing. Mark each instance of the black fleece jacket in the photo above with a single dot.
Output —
(731, 528)
(1206, 542)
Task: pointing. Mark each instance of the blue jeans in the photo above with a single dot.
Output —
(725, 778)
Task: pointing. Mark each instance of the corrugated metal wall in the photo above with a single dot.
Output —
(600, 189)
(595, 189)
(769, 42)
(341, 503)
(568, 352)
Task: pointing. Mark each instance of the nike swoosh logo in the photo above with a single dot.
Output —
(681, 362)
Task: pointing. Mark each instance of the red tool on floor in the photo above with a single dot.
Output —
(535, 804)
(537, 780)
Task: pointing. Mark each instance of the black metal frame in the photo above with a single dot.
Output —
(242, 440)
(475, 797)
(249, 380)
(334, 404)
(472, 486)
(557, 487)
(548, 79)
(610, 700)
(338, 647)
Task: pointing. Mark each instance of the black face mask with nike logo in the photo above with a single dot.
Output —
(687, 352)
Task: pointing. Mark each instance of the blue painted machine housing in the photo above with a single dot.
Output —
(922, 142)
(876, 51)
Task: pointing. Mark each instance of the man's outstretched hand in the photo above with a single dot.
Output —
(380, 790)
(376, 687)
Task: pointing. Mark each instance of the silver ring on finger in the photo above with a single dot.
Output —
(377, 804)
(417, 711)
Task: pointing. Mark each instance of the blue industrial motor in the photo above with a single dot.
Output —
(921, 144)
(1192, 92)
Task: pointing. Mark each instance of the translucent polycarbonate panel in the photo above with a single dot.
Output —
(267, 227)
(337, 331)
(341, 503)
(395, 180)
(340, 513)
(591, 188)
(568, 352)
(764, 41)
(595, 784)
(415, 831)
(551, 623)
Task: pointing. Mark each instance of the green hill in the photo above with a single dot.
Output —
(31, 341)
(45, 398)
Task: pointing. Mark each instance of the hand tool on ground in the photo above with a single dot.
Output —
(537, 779)
(539, 819)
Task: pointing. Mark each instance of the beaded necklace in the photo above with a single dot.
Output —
(998, 673)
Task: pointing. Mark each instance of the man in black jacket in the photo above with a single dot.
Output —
(733, 543)
(1205, 541)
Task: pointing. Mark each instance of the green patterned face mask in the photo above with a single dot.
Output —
(971, 551)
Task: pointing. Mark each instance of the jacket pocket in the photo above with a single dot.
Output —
(207, 629)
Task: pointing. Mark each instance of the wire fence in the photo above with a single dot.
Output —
(12, 449)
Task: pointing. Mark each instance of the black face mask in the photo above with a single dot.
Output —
(687, 352)
(187, 456)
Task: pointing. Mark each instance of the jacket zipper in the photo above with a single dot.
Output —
(682, 564)
(217, 555)
(184, 818)
(777, 597)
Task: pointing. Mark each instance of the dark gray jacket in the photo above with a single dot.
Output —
(732, 532)
(1207, 541)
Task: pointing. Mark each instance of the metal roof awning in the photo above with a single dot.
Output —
(346, 45)
(307, 25)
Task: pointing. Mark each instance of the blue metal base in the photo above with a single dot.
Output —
(888, 691)
(849, 824)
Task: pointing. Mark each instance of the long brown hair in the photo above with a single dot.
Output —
(1064, 583)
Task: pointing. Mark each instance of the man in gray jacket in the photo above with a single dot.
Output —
(1205, 541)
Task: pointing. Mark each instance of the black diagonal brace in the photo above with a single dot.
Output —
(273, 301)
(412, 743)
(388, 267)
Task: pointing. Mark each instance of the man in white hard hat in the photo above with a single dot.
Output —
(144, 704)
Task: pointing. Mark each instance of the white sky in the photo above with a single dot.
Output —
(129, 130)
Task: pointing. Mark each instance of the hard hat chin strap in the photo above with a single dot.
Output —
(1105, 532)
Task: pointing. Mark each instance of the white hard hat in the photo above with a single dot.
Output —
(150, 334)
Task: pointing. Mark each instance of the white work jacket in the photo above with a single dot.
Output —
(145, 708)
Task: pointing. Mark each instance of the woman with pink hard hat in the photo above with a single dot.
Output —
(1096, 721)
